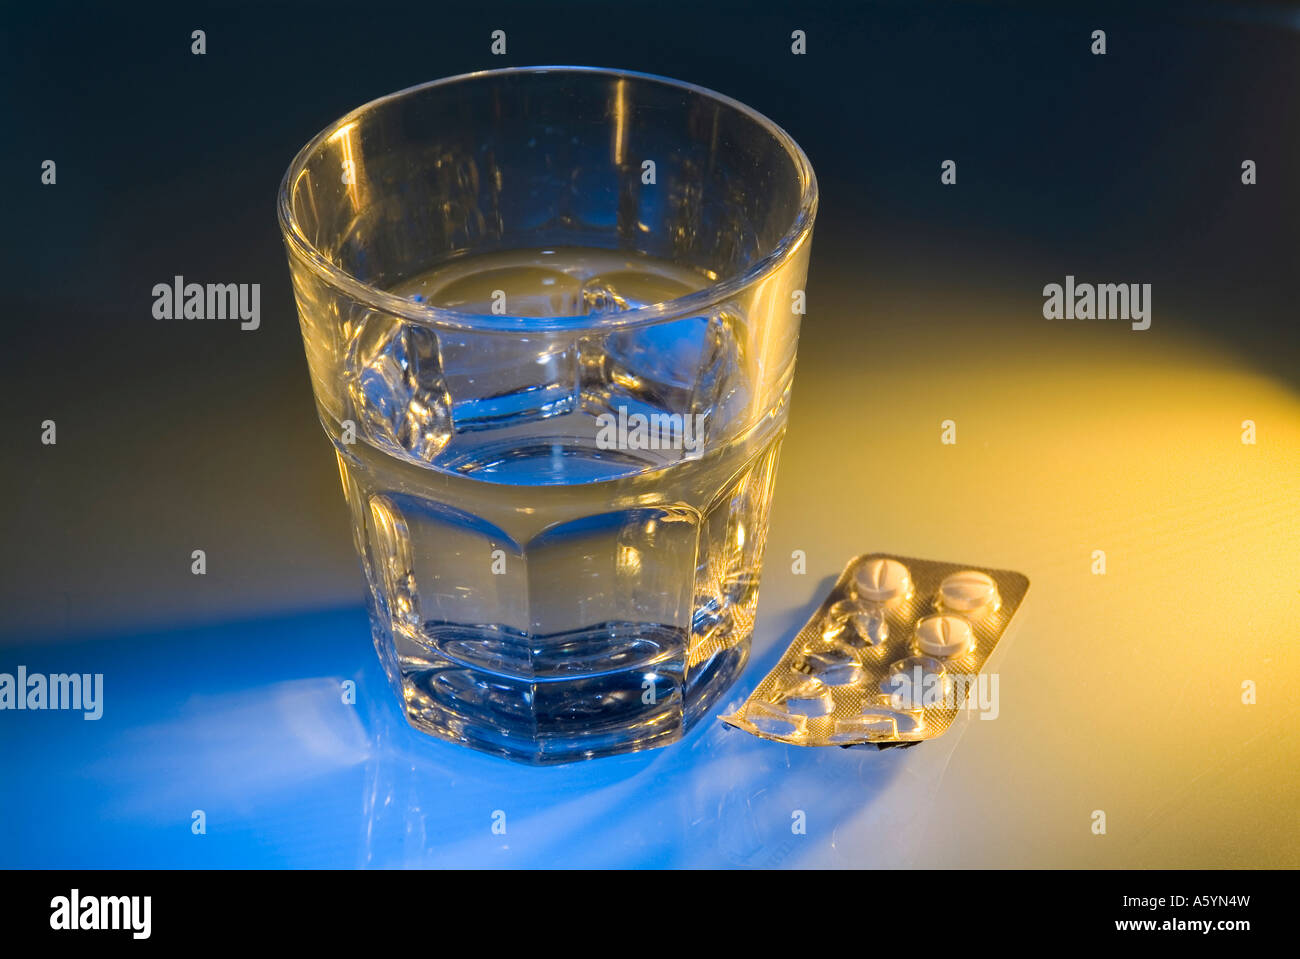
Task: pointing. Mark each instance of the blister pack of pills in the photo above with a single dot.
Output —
(892, 656)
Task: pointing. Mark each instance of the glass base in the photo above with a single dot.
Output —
(649, 703)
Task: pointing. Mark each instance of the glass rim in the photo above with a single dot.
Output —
(717, 292)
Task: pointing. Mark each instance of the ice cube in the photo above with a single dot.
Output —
(397, 387)
(498, 380)
(618, 290)
(690, 366)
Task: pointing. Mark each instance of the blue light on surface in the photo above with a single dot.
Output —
(249, 723)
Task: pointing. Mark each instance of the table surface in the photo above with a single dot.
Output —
(1119, 692)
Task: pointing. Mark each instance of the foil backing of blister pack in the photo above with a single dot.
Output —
(890, 657)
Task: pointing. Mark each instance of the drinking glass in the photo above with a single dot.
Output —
(550, 317)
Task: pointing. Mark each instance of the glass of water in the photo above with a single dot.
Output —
(550, 316)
